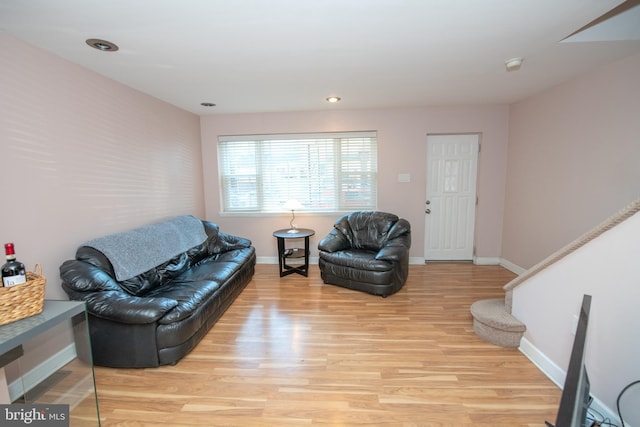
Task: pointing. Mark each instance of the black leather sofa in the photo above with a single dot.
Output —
(367, 251)
(146, 317)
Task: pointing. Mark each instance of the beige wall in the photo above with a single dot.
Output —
(83, 156)
(574, 156)
(402, 138)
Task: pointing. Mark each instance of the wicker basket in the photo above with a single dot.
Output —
(20, 301)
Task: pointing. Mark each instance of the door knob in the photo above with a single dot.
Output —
(428, 211)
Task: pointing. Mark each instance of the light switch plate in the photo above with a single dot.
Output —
(404, 177)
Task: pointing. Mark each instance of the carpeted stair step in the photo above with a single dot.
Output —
(494, 324)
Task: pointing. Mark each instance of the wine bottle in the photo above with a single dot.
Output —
(13, 272)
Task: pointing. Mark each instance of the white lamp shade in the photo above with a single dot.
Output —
(292, 205)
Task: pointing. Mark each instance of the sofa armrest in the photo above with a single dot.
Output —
(123, 308)
(80, 276)
(224, 242)
(335, 241)
(106, 299)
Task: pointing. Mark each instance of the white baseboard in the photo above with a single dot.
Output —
(557, 376)
(314, 260)
(486, 260)
(412, 260)
(514, 268)
(35, 376)
(546, 365)
(418, 261)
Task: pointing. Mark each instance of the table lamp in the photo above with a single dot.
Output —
(292, 205)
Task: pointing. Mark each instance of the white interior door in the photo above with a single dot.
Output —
(450, 208)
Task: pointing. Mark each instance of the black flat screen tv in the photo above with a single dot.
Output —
(575, 399)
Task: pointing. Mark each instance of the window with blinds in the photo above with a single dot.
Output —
(324, 172)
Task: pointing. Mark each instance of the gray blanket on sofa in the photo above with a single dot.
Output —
(133, 252)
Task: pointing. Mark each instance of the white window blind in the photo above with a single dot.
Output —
(323, 171)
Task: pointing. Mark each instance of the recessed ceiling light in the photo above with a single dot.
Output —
(207, 104)
(102, 45)
(514, 64)
(333, 99)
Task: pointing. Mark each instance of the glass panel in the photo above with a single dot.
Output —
(451, 176)
(65, 377)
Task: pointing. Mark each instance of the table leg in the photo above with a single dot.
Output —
(281, 259)
(306, 256)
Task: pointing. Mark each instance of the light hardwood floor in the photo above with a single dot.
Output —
(294, 352)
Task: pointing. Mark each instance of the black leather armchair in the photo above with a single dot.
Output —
(367, 251)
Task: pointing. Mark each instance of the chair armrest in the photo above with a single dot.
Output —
(395, 249)
(334, 242)
(392, 253)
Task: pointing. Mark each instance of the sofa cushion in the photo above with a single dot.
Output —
(236, 256)
(175, 335)
(141, 284)
(189, 296)
(358, 278)
(226, 242)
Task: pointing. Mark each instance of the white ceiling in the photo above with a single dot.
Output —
(289, 55)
